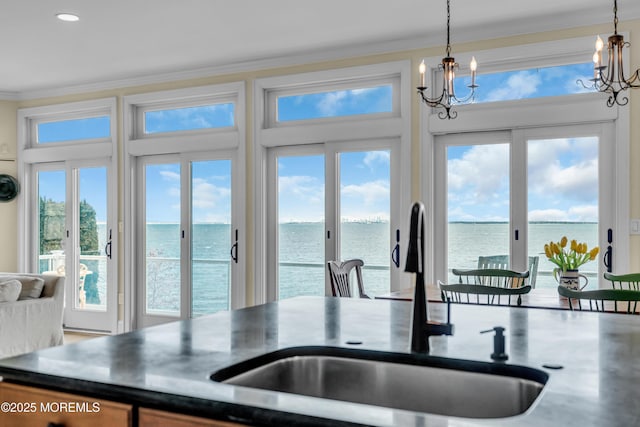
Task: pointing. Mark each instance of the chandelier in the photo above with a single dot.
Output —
(447, 99)
(610, 78)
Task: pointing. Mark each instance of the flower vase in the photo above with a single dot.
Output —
(570, 279)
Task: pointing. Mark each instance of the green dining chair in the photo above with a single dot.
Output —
(486, 286)
(602, 300)
(502, 262)
(624, 281)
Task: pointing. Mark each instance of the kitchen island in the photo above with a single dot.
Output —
(167, 367)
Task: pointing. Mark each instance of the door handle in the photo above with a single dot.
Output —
(107, 247)
(234, 249)
(395, 253)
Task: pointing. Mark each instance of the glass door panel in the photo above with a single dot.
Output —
(91, 292)
(365, 214)
(162, 240)
(301, 225)
(563, 198)
(211, 236)
(478, 199)
(52, 206)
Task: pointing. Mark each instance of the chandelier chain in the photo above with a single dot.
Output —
(615, 16)
(448, 26)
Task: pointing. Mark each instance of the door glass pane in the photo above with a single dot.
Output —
(562, 199)
(162, 239)
(364, 216)
(211, 236)
(52, 196)
(301, 226)
(93, 235)
(478, 203)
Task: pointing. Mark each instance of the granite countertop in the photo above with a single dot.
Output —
(168, 366)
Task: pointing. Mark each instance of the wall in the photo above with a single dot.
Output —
(8, 210)
(8, 121)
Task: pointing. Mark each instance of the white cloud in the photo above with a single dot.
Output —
(170, 176)
(208, 196)
(482, 172)
(331, 102)
(519, 85)
(564, 169)
(376, 157)
(368, 193)
(301, 198)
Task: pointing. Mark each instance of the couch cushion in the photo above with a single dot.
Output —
(10, 290)
(31, 286)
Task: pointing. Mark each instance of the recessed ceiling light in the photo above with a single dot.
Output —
(68, 17)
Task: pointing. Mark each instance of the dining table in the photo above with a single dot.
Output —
(536, 298)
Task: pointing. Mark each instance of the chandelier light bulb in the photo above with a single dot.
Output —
(599, 44)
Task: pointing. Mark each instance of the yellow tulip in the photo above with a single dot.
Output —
(563, 241)
(594, 253)
(555, 248)
(574, 245)
(547, 251)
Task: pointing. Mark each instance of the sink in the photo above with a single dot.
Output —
(413, 382)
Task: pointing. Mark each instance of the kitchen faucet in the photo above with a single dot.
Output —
(421, 327)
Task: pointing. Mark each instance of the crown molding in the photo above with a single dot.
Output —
(434, 38)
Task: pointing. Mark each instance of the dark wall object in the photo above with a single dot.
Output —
(9, 188)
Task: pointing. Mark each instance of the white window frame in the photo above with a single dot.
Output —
(75, 152)
(525, 114)
(267, 134)
(224, 139)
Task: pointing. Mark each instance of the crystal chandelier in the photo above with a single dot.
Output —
(610, 78)
(447, 99)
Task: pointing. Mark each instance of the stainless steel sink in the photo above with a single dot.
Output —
(413, 382)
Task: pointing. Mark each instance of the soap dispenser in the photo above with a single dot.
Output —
(498, 344)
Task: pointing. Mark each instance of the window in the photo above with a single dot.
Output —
(516, 175)
(189, 118)
(337, 103)
(70, 202)
(74, 129)
(186, 164)
(332, 178)
(335, 99)
(529, 83)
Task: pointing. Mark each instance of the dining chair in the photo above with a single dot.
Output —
(602, 300)
(502, 262)
(339, 274)
(481, 294)
(624, 281)
(486, 286)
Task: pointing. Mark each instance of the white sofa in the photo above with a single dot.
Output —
(32, 324)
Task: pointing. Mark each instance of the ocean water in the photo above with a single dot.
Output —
(301, 255)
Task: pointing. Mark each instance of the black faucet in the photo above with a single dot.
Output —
(421, 327)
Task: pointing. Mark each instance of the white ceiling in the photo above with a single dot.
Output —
(118, 40)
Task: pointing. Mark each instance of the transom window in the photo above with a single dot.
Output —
(87, 128)
(335, 103)
(529, 83)
(346, 99)
(189, 118)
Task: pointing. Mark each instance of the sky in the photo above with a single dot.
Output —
(562, 173)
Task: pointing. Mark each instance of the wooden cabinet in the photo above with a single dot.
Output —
(28, 407)
(155, 418)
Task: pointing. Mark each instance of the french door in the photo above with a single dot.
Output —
(332, 201)
(187, 237)
(509, 193)
(75, 239)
